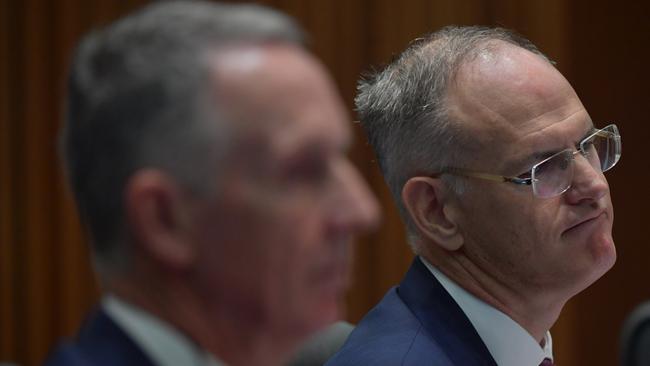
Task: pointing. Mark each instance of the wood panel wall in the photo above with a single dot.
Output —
(46, 283)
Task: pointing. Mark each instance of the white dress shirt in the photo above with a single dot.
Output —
(508, 343)
(164, 345)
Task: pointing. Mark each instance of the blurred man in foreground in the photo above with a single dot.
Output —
(498, 171)
(206, 152)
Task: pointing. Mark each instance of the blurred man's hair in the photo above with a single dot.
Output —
(139, 96)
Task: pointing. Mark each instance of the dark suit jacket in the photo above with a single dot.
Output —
(417, 323)
(100, 342)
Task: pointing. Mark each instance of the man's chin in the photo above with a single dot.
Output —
(603, 252)
(602, 259)
(596, 248)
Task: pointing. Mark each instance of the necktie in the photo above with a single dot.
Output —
(547, 362)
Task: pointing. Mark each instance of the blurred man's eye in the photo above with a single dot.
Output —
(309, 171)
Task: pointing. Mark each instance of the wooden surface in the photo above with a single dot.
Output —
(46, 284)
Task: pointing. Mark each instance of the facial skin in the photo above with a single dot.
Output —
(522, 254)
(274, 243)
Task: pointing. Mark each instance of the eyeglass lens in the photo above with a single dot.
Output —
(553, 176)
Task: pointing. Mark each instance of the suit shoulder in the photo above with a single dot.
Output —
(389, 335)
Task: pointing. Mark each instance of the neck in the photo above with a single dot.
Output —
(224, 331)
(535, 310)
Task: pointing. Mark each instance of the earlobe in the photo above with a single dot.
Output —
(426, 201)
(156, 219)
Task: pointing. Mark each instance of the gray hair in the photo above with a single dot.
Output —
(403, 106)
(138, 97)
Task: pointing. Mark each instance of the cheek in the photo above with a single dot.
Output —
(275, 254)
(536, 232)
(306, 282)
(510, 227)
(305, 252)
(541, 221)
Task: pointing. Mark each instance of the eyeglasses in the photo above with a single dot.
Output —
(552, 176)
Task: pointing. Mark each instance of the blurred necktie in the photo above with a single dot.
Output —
(547, 362)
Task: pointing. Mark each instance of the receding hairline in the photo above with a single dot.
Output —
(248, 73)
(404, 104)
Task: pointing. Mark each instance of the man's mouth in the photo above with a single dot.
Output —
(592, 219)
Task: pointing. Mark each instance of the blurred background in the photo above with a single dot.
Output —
(46, 283)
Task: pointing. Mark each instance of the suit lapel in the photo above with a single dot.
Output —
(442, 318)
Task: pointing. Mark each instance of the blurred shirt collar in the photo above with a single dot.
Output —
(164, 345)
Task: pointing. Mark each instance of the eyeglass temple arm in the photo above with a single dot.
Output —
(485, 176)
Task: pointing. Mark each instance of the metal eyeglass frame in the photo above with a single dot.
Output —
(610, 131)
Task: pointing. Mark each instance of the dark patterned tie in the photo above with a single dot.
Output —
(547, 362)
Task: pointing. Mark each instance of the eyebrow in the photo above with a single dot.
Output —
(541, 155)
(316, 147)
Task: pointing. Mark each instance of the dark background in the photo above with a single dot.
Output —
(46, 284)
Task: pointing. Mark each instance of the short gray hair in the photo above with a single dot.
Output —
(403, 106)
(138, 97)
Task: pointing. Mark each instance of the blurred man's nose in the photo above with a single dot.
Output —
(356, 208)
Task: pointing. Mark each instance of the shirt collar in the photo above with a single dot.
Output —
(508, 343)
(165, 345)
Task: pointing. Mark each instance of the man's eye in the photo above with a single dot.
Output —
(525, 175)
(588, 145)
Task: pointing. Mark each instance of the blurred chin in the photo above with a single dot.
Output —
(327, 307)
(319, 301)
(312, 317)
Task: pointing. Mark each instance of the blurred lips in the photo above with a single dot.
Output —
(333, 277)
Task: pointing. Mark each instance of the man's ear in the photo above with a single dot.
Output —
(426, 200)
(157, 217)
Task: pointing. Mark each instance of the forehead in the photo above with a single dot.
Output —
(278, 94)
(508, 98)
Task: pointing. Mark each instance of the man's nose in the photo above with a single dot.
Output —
(589, 183)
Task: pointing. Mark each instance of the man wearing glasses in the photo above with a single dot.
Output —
(497, 169)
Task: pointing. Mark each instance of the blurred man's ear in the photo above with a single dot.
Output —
(157, 217)
(426, 200)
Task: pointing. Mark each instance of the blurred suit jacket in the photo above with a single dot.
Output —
(417, 323)
(100, 342)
